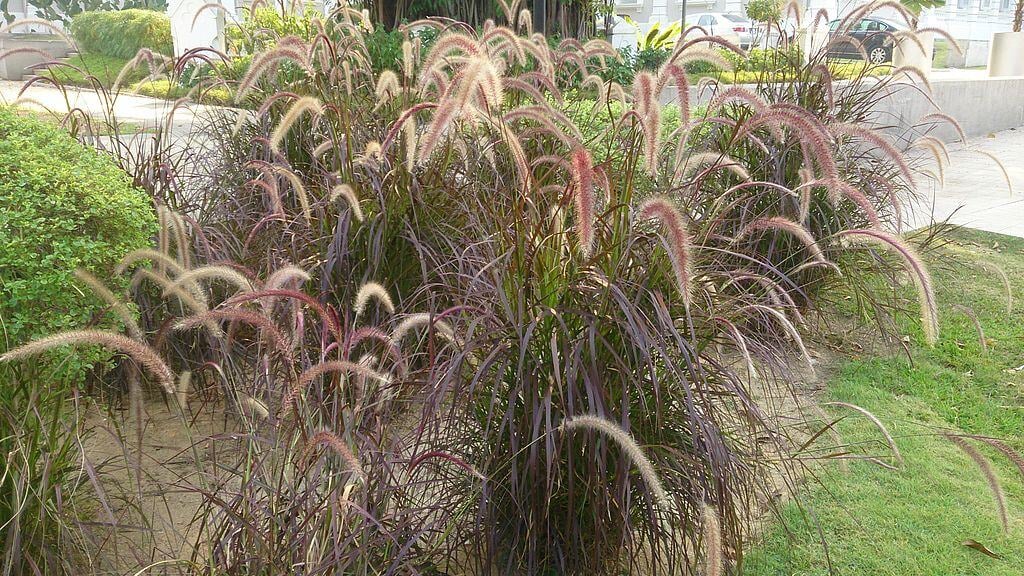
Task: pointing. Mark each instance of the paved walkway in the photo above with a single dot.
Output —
(975, 192)
(140, 110)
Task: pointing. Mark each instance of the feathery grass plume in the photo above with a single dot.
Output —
(547, 116)
(406, 117)
(415, 462)
(181, 393)
(413, 321)
(152, 60)
(712, 541)
(170, 221)
(149, 254)
(1002, 168)
(329, 319)
(281, 277)
(448, 43)
(915, 268)
(525, 22)
(117, 305)
(966, 311)
(263, 63)
(813, 137)
(649, 110)
(298, 187)
(985, 467)
(945, 35)
(372, 290)
(786, 225)
(1006, 283)
(937, 117)
(741, 343)
(266, 326)
(1011, 454)
(716, 160)
(136, 350)
(328, 367)
(213, 272)
(345, 191)
(633, 452)
(878, 424)
(387, 88)
(841, 189)
(297, 109)
(582, 174)
(912, 73)
(408, 63)
(879, 141)
(325, 437)
(694, 54)
(677, 74)
(479, 75)
(787, 326)
(938, 151)
(505, 42)
(678, 238)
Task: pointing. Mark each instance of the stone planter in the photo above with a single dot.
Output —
(15, 66)
(909, 53)
(1006, 56)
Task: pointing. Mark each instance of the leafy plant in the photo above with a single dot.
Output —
(764, 10)
(62, 206)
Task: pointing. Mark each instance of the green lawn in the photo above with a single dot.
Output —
(914, 522)
(103, 68)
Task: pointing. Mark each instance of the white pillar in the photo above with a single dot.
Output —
(191, 28)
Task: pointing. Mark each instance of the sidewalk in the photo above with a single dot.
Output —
(141, 110)
(975, 192)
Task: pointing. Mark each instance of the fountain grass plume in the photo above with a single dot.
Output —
(212, 272)
(878, 424)
(387, 88)
(263, 64)
(915, 269)
(117, 305)
(678, 238)
(298, 187)
(791, 332)
(263, 323)
(713, 554)
(141, 353)
(345, 191)
(338, 446)
(633, 452)
(785, 225)
(985, 466)
(1000, 165)
(878, 141)
(306, 104)
(716, 160)
(374, 291)
(648, 109)
(582, 173)
(1007, 287)
(327, 367)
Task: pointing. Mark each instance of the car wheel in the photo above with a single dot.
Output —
(878, 55)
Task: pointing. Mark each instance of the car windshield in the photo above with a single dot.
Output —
(734, 18)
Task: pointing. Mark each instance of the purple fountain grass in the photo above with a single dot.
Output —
(785, 225)
(326, 316)
(582, 173)
(648, 109)
(713, 553)
(304, 105)
(134, 349)
(985, 467)
(678, 239)
(629, 448)
(372, 291)
(1006, 283)
(338, 446)
(435, 454)
(264, 62)
(345, 191)
(915, 269)
(879, 142)
(999, 164)
(896, 454)
(327, 367)
(116, 304)
(211, 272)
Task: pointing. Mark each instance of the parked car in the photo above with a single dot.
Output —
(778, 33)
(873, 34)
(732, 27)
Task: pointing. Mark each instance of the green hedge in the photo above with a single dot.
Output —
(62, 206)
(122, 33)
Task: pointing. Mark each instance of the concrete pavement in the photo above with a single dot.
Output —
(975, 193)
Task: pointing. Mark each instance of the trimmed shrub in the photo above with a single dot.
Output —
(122, 33)
(62, 206)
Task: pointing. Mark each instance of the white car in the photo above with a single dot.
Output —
(732, 27)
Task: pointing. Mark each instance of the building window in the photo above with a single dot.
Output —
(963, 4)
(986, 4)
(1004, 5)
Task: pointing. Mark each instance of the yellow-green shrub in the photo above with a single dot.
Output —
(122, 33)
(62, 206)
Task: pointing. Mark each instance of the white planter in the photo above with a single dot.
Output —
(909, 53)
(1006, 56)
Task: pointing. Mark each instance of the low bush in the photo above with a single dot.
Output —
(122, 33)
(169, 90)
(62, 206)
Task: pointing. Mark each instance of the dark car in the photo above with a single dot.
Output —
(873, 34)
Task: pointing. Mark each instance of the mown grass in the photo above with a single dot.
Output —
(916, 521)
(105, 69)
